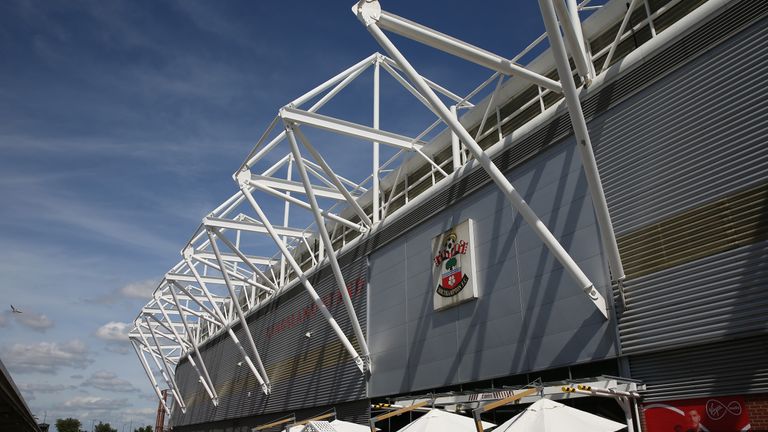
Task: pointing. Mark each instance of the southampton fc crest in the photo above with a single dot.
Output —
(453, 266)
(452, 280)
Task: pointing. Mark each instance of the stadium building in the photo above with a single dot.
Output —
(599, 239)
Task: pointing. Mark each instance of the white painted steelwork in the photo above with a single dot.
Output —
(209, 291)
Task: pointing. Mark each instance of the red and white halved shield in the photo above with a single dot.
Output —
(452, 279)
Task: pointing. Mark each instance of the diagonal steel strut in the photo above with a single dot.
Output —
(580, 131)
(243, 178)
(331, 253)
(485, 161)
(241, 317)
(205, 378)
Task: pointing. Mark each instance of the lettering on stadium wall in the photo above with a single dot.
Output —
(330, 300)
(453, 266)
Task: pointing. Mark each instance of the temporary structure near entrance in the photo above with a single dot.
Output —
(549, 416)
(443, 421)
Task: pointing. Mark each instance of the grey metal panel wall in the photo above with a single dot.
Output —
(305, 371)
(696, 136)
(530, 315)
(717, 297)
(730, 367)
(355, 412)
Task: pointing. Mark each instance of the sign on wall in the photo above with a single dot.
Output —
(453, 268)
(714, 414)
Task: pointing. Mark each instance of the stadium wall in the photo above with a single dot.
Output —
(680, 138)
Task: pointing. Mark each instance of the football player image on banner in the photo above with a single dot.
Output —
(453, 266)
(714, 414)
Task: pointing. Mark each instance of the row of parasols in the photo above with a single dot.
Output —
(542, 416)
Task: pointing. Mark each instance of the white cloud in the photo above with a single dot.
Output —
(37, 322)
(114, 331)
(44, 387)
(118, 349)
(45, 357)
(94, 403)
(108, 381)
(141, 290)
(30, 390)
(135, 412)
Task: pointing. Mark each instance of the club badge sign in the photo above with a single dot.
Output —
(453, 266)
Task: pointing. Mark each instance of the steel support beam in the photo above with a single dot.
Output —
(344, 127)
(251, 227)
(231, 273)
(331, 253)
(242, 256)
(150, 376)
(165, 326)
(339, 79)
(292, 186)
(351, 201)
(261, 374)
(179, 277)
(171, 379)
(370, 11)
(573, 37)
(376, 151)
(493, 171)
(289, 199)
(243, 183)
(214, 314)
(236, 258)
(205, 379)
(617, 40)
(220, 315)
(201, 379)
(584, 144)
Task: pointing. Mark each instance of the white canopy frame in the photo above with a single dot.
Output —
(211, 290)
(370, 14)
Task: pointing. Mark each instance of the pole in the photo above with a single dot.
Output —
(321, 229)
(376, 163)
(581, 133)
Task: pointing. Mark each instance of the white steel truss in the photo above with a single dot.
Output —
(226, 271)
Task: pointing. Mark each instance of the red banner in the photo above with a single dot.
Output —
(714, 414)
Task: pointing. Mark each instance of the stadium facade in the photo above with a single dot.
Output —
(635, 256)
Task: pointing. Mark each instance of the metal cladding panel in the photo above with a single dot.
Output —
(305, 371)
(529, 315)
(355, 412)
(696, 135)
(730, 367)
(685, 169)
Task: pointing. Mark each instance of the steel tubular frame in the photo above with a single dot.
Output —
(360, 361)
(208, 291)
(369, 16)
(341, 284)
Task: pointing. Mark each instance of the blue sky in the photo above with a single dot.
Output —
(121, 123)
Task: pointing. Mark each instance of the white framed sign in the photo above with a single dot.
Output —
(454, 279)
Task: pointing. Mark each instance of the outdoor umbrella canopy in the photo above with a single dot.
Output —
(549, 416)
(337, 425)
(436, 420)
(345, 426)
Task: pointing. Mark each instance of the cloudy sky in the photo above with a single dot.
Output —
(121, 123)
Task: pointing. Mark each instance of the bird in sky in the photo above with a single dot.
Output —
(14, 310)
